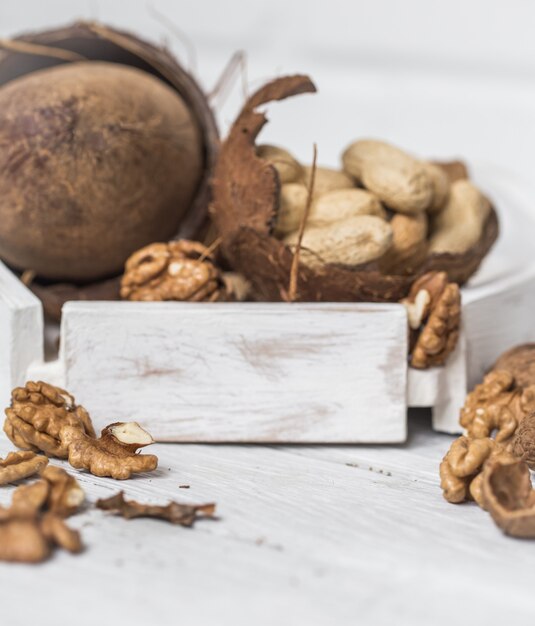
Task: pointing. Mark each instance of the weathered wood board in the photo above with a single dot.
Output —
(21, 332)
(241, 372)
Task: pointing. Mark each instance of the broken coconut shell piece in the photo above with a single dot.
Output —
(114, 454)
(510, 498)
(246, 191)
(90, 44)
(174, 512)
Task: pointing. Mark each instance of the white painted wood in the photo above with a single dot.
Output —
(442, 388)
(499, 301)
(241, 371)
(21, 332)
(310, 536)
(497, 319)
(52, 372)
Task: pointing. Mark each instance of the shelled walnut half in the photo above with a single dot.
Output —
(510, 498)
(19, 465)
(179, 270)
(460, 470)
(37, 413)
(113, 454)
(434, 313)
(499, 419)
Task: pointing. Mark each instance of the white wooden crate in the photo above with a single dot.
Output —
(276, 372)
(241, 372)
(21, 332)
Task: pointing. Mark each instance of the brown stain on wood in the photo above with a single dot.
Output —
(265, 354)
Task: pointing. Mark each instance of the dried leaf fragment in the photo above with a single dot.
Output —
(114, 454)
(509, 498)
(37, 413)
(19, 465)
(174, 512)
(179, 270)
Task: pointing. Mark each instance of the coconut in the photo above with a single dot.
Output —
(245, 204)
(107, 144)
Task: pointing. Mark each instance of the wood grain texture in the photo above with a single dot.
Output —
(308, 535)
(241, 372)
(21, 332)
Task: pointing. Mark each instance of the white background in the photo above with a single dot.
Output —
(444, 79)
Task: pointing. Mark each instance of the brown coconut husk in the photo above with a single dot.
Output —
(245, 204)
(54, 296)
(96, 42)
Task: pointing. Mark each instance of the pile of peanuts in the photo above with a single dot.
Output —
(384, 205)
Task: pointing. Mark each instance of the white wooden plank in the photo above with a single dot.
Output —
(21, 332)
(242, 372)
(497, 318)
(307, 535)
(442, 388)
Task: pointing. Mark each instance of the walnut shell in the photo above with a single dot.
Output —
(184, 153)
(245, 204)
(520, 363)
(523, 442)
(509, 498)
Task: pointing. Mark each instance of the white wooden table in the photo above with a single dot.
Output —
(307, 535)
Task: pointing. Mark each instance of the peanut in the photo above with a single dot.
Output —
(441, 187)
(459, 225)
(409, 243)
(293, 199)
(343, 203)
(327, 179)
(397, 179)
(288, 168)
(352, 241)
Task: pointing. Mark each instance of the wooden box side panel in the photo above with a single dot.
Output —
(496, 321)
(241, 372)
(442, 388)
(21, 332)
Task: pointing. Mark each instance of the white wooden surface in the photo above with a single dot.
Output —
(308, 535)
(253, 372)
